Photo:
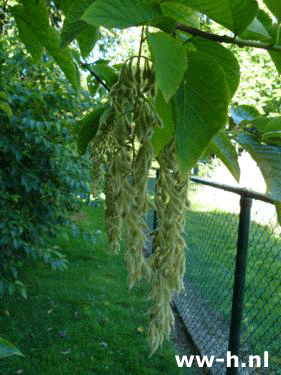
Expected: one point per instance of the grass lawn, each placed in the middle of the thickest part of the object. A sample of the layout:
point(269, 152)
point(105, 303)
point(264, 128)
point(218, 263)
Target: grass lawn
point(211, 237)
point(84, 320)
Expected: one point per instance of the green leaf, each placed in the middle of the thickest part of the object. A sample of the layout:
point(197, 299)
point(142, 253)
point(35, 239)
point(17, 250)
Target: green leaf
point(256, 31)
point(272, 29)
point(166, 24)
point(274, 124)
point(268, 159)
point(273, 138)
point(162, 136)
point(73, 27)
point(7, 349)
point(63, 5)
point(235, 15)
point(243, 112)
point(87, 40)
point(270, 129)
point(4, 107)
point(222, 146)
point(105, 72)
point(121, 14)
point(181, 13)
point(27, 36)
point(3, 96)
point(170, 62)
point(202, 107)
point(224, 57)
point(34, 14)
point(274, 7)
point(88, 128)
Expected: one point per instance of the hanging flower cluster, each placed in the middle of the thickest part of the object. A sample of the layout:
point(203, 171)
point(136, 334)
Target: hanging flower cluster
point(125, 150)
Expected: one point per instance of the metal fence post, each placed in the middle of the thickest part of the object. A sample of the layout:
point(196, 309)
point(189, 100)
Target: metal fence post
point(239, 281)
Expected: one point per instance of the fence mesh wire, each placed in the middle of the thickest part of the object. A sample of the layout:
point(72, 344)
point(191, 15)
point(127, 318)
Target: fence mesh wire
point(211, 237)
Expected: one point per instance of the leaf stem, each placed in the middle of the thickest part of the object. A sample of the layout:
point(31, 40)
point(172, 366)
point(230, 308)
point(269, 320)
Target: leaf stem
point(227, 39)
point(87, 66)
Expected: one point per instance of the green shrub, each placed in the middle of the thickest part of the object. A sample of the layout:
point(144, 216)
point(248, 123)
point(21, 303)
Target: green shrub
point(41, 172)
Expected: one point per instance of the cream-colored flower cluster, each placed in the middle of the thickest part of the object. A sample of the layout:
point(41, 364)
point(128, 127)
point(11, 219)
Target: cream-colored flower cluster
point(127, 152)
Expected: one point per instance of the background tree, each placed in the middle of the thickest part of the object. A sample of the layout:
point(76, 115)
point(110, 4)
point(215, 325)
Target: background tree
point(41, 173)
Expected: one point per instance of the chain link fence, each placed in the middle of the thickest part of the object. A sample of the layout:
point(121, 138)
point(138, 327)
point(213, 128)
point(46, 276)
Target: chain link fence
point(206, 303)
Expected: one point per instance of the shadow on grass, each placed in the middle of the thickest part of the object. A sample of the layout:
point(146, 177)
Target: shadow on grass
point(84, 320)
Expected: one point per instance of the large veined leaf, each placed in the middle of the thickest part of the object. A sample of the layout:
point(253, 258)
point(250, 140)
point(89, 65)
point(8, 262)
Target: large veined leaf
point(34, 14)
point(224, 57)
point(181, 13)
point(274, 7)
point(202, 107)
point(121, 14)
point(268, 158)
point(88, 128)
point(222, 146)
point(170, 62)
point(75, 28)
point(162, 136)
point(27, 36)
point(87, 40)
point(7, 349)
point(235, 15)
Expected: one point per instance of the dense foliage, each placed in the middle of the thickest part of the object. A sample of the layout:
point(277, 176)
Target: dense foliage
point(171, 103)
point(41, 172)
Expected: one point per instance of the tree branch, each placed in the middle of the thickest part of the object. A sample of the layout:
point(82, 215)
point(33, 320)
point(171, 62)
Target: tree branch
point(86, 66)
point(227, 39)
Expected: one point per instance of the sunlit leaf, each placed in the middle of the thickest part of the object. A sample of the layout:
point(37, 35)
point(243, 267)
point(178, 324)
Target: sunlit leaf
point(34, 14)
point(170, 62)
point(235, 15)
point(7, 349)
point(224, 57)
point(4, 107)
point(121, 13)
point(202, 104)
